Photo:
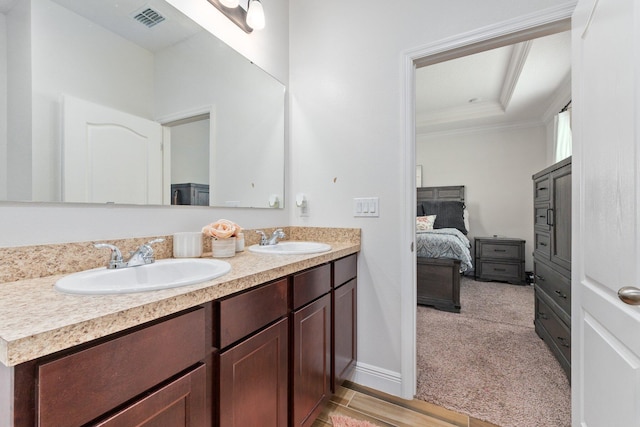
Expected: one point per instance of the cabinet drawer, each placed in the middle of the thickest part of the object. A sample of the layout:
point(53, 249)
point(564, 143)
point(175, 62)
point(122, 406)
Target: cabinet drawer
point(541, 219)
point(557, 287)
point(311, 284)
point(541, 189)
point(77, 388)
point(500, 250)
point(243, 314)
point(542, 244)
point(557, 331)
point(507, 271)
point(344, 270)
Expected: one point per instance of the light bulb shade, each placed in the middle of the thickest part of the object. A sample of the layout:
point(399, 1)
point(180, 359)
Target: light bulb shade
point(230, 3)
point(255, 15)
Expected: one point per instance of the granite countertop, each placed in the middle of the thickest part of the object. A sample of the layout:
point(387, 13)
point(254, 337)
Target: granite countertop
point(37, 320)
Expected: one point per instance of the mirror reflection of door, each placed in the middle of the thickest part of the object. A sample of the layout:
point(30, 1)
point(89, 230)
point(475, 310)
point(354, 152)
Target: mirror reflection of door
point(190, 158)
point(109, 156)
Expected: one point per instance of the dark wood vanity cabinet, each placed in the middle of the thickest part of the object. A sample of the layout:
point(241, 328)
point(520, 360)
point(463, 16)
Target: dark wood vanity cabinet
point(552, 259)
point(311, 344)
point(268, 356)
point(149, 376)
point(252, 331)
point(344, 324)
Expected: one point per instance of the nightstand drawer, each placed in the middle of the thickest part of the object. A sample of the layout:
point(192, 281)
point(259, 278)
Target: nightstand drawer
point(496, 270)
point(500, 250)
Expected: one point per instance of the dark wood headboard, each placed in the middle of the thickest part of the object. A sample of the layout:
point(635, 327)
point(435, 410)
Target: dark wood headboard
point(451, 193)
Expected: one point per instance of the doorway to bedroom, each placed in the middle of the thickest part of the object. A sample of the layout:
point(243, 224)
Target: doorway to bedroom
point(485, 120)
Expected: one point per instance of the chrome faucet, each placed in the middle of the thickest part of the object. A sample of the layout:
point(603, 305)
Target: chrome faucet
point(141, 256)
point(266, 241)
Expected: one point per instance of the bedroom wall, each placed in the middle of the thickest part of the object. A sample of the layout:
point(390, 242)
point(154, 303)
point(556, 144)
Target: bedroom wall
point(496, 168)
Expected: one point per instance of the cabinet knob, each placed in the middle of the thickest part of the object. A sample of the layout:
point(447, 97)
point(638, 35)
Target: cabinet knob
point(629, 295)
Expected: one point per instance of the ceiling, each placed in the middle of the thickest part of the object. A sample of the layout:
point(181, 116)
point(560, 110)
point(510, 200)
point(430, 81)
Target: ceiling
point(118, 17)
point(522, 84)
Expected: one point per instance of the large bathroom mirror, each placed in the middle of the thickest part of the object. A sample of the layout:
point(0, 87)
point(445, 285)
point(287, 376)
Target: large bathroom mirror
point(129, 101)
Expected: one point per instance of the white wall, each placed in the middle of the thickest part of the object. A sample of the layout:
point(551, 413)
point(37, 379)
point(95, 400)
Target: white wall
point(189, 153)
point(347, 86)
point(495, 166)
point(19, 102)
point(3, 106)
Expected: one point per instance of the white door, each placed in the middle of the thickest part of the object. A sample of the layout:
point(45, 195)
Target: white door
point(109, 156)
point(606, 189)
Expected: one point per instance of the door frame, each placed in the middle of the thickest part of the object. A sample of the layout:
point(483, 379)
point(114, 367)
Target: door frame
point(538, 24)
point(182, 117)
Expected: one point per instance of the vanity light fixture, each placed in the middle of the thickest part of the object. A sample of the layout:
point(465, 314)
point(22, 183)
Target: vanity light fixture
point(255, 15)
point(248, 20)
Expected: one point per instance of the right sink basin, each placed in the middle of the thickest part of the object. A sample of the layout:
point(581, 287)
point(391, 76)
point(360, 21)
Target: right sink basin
point(291, 248)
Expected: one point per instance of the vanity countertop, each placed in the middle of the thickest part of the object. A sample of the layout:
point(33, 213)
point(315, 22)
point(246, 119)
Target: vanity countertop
point(37, 320)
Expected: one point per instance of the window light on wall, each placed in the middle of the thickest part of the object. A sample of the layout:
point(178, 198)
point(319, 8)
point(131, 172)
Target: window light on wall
point(250, 19)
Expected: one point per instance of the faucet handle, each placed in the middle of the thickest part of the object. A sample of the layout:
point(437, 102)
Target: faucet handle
point(147, 250)
point(151, 242)
point(116, 256)
point(263, 237)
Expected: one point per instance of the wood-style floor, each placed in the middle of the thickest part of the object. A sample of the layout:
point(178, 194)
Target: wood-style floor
point(384, 410)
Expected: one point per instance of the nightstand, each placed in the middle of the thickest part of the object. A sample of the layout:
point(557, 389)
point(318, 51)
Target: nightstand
point(500, 259)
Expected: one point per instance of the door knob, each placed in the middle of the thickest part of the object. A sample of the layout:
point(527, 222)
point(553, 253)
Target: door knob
point(629, 295)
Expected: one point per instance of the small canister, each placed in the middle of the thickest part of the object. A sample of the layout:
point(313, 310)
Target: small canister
point(239, 242)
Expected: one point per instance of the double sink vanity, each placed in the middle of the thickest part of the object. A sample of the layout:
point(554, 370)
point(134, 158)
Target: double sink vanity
point(264, 343)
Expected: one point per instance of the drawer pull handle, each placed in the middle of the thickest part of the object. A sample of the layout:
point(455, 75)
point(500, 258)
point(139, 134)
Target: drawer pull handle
point(563, 342)
point(629, 295)
point(542, 188)
point(560, 294)
point(543, 244)
point(540, 277)
point(499, 269)
point(542, 315)
point(499, 250)
point(542, 216)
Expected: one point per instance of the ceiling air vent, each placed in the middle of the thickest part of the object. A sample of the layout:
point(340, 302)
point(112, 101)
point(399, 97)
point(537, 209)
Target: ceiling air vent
point(148, 17)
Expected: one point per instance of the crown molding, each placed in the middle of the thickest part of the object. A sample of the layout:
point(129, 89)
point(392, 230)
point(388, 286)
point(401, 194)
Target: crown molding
point(479, 129)
point(514, 70)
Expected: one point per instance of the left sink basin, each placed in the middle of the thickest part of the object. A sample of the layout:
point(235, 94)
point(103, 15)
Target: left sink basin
point(162, 274)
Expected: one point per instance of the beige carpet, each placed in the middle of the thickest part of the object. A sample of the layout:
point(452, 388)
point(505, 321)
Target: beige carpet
point(488, 362)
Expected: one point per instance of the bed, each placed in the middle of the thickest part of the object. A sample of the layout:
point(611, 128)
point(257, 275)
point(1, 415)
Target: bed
point(443, 253)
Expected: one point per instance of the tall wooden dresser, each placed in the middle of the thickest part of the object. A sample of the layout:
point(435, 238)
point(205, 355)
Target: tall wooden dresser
point(552, 259)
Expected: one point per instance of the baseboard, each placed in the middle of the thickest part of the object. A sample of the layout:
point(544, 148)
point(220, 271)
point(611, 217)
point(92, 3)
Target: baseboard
point(377, 378)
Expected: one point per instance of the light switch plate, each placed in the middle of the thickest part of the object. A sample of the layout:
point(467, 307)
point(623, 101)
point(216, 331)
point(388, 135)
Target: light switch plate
point(366, 207)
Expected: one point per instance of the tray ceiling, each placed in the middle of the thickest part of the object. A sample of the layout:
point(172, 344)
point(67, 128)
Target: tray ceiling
point(522, 84)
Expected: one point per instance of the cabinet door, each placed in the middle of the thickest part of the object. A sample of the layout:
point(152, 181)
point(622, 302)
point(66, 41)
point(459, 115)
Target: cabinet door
point(561, 229)
point(177, 404)
point(311, 366)
point(253, 380)
point(344, 332)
